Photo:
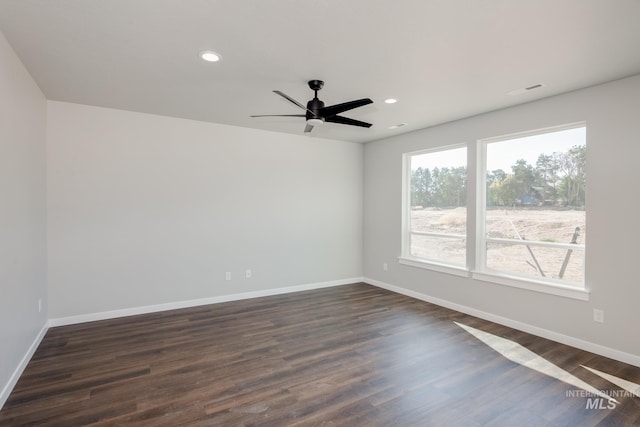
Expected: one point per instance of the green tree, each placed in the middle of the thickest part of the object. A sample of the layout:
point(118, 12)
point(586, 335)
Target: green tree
point(442, 187)
point(420, 186)
point(451, 185)
point(509, 190)
point(572, 167)
point(547, 168)
point(494, 186)
point(557, 177)
point(519, 183)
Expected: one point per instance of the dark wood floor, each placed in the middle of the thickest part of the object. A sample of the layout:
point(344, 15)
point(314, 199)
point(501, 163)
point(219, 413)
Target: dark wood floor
point(352, 355)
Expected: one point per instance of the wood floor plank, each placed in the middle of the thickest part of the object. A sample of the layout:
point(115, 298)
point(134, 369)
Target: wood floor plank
point(352, 355)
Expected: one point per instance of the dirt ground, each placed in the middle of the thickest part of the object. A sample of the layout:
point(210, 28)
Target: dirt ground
point(545, 225)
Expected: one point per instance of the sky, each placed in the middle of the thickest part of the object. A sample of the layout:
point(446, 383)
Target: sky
point(502, 154)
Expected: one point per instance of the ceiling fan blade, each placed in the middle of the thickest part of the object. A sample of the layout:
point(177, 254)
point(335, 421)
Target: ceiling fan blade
point(279, 115)
point(347, 121)
point(308, 128)
point(332, 110)
point(290, 99)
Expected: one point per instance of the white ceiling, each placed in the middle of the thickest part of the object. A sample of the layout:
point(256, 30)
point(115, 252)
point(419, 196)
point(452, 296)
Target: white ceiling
point(442, 59)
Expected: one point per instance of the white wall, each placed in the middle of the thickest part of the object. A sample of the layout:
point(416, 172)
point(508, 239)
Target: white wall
point(146, 210)
point(22, 215)
point(612, 113)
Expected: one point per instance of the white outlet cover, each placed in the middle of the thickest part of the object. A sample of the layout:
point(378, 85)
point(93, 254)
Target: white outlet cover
point(598, 315)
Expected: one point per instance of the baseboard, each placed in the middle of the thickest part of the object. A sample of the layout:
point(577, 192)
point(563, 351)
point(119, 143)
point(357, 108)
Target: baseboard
point(6, 391)
point(544, 333)
point(535, 330)
point(91, 317)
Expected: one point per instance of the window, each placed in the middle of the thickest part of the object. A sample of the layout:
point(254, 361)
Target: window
point(528, 216)
point(533, 210)
point(435, 212)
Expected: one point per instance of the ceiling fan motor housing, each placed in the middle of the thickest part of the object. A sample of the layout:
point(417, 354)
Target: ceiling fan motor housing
point(313, 109)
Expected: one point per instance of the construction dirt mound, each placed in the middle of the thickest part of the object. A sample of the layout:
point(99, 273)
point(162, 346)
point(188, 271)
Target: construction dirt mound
point(534, 225)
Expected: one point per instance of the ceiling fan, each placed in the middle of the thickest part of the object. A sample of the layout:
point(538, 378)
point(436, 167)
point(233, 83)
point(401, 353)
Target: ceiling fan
point(317, 113)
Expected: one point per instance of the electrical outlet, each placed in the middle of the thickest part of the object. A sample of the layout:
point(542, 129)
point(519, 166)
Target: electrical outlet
point(385, 267)
point(598, 315)
point(228, 275)
point(248, 274)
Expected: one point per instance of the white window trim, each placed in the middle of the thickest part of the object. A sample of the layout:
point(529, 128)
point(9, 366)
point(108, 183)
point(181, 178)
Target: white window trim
point(533, 132)
point(531, 284)
point(481, 197)
point(476, 254)
point(481, 272)
point(454, 269)
point(405, 244)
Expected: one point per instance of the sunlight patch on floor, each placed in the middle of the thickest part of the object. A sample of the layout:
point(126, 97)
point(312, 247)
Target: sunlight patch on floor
point(525, 357)
point(632, 388)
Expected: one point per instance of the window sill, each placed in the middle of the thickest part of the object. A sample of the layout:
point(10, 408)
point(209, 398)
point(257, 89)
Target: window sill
point(558, 289)
point(434, 266)
point(533, 285)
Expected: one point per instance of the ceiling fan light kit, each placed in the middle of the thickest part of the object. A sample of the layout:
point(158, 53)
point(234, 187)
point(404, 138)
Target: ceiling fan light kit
point(316, 113)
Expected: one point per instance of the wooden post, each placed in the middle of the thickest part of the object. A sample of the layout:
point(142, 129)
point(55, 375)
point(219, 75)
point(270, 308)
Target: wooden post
point(574, 240)
point(535, 260)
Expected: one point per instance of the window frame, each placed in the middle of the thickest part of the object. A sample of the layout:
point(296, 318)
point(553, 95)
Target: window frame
point(480, 270)
point(432, 264)
point(476, 239)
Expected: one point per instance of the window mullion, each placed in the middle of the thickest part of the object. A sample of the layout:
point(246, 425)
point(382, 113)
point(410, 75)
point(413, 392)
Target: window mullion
point(480, 244)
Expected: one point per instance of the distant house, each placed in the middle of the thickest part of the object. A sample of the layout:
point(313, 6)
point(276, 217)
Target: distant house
point(527, 200)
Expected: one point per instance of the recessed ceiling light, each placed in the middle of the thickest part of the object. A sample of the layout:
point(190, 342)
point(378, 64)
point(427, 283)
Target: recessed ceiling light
point(390, 101)
point(210, 56)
